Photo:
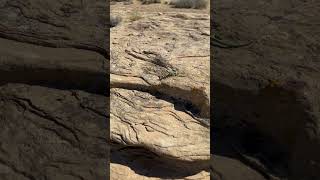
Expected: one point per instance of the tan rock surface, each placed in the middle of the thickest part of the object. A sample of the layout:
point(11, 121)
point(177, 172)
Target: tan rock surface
point(160, 77)
point(130, 162)
point(124, 172)
point(167, 53)
point(140, 119)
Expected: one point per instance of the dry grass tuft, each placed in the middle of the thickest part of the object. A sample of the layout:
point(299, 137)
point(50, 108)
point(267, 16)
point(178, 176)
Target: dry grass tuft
point(134, 16)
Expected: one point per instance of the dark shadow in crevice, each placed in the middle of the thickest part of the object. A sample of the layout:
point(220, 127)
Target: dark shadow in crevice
point(234, 131)
point(104, 52)
point(184, 106)
point(179, 103)
point(243, 139)
point(149, 164)
point(59, 79)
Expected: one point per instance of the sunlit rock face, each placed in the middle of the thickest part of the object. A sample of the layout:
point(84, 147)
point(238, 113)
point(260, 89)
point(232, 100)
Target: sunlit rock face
point(159, 99)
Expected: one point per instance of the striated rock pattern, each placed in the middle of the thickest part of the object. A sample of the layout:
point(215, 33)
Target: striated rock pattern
point(79, 24)
point(53, 90)
point(140, 119)
point(160, 103)
point(52, 134)
point(167, 53)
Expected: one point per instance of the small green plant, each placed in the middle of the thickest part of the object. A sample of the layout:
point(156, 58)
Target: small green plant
point(135, 16)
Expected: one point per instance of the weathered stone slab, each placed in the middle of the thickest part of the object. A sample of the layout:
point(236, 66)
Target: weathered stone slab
point(142, 120)
point(79, 24)
point(128, 162)
point(52, 134)
point(53, 72)
point(65, 68)
point(166, 53)
point(272, 82)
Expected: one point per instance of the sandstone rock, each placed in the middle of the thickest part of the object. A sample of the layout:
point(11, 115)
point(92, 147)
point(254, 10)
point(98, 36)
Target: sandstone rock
point(54, 67)
point(164, 54)
point(52, 134)
point(159, 95)
point(142, 120)
point(128, 162)
point(124, 172)
point(77, 24)
point(273, 82)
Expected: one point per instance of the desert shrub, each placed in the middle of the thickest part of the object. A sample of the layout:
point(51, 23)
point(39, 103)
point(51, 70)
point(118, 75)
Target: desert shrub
point(196, 4)
point(134, 16)
point(150, 1)
point(115, 20)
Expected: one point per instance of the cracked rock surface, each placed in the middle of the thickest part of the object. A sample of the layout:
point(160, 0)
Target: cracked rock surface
point(79, 24)
point(268, 87)
point(140, 119)
point(160, 103)
point(53, 90)
point(52, 134)
point(166, 53)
